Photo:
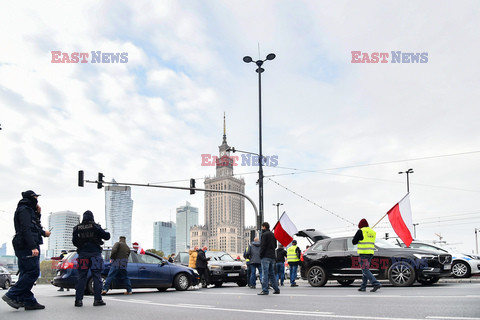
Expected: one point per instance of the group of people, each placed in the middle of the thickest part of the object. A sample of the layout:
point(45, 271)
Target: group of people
point(88, 237)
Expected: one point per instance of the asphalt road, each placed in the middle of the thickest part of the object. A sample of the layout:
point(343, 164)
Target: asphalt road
point(455, 301)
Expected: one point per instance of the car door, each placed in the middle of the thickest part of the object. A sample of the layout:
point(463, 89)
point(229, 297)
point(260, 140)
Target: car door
point(132, 270)
point(153, 272)
point(334, 257)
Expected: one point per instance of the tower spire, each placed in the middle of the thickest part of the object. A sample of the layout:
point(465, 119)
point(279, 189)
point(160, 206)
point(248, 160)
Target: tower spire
point(224, 129)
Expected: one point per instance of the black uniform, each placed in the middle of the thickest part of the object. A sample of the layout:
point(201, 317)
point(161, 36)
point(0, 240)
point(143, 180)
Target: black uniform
point(201, 266)
point(87, 237)
point(28, 237)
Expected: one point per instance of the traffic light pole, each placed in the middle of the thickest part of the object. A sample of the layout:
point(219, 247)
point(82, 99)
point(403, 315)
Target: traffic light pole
point(80, 179)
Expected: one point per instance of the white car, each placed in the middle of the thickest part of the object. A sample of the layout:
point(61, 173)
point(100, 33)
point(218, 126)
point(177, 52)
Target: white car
point(463, 265)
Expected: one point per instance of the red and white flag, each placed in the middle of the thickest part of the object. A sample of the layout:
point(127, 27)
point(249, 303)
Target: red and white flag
point(400, 217)
point(284, 230)
point(138, 248)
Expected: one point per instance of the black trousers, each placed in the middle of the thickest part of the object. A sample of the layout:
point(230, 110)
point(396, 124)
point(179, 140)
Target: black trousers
point(204, 276)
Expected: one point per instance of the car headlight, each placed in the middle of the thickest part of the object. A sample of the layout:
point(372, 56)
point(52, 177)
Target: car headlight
point(214, 267)
point(244, 267)
point(195, 272)
point(424, 256)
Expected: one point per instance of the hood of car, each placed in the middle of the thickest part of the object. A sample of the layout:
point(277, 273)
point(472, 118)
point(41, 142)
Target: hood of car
point(312, 234)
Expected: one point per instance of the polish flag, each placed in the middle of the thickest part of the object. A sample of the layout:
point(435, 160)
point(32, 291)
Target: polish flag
point(138, 248)
point(284, 230)
point(400, 217)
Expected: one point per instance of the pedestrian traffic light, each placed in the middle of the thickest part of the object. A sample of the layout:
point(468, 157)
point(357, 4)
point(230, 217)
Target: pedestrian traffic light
point(80, 178)
point(100, 180)
point(192, 186)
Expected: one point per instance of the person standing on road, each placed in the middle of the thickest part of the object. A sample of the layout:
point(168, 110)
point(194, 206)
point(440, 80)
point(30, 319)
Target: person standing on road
point(268, 244)
point(365, 238)
point(118, 269)
point(26, 243)
point(60, 258)
point(87, 237)
point(192, 257)
point(171, 258)
point(293, 258)
point(280, 255)
point(253, 252)
point(202, 268)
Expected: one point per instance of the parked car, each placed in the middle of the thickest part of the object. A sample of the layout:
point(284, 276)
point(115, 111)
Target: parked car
point(463, 265)
point(222, 267)
point(337, 259)
point(5, 278)
point(144, 270)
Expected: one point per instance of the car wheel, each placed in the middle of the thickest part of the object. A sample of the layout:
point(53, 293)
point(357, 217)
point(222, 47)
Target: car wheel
point(181, 282)
point(461, 269)
point(316, 276)
point(89, 289)
point(401, 274)
point(162, 289)
point(6, 285)
point(345, 282)
point(242, 284)
point(429, 281)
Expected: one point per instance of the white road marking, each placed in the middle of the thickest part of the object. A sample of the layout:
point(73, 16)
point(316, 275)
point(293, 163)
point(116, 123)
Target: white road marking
point(451, 318)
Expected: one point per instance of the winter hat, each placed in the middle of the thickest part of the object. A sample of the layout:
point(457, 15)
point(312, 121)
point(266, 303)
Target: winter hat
point(363, 223)
point(88, 216)
point(29, 194)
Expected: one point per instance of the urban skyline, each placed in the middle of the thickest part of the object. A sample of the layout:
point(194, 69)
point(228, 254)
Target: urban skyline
point(118, 213)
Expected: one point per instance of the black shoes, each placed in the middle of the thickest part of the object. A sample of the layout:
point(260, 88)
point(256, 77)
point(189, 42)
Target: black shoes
point(362, 290)
point(276, 292)
point(294, 285)
point(262, 293)
point(97, 303)
point(12, 303)
point(36, 306)
point(375, 288)
point(78, 303)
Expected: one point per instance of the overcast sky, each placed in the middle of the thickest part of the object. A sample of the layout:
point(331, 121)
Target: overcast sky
point(342, 131)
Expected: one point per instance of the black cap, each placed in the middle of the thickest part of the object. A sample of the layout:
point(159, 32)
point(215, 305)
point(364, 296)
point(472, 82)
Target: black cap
point(29, 194)
point(294, 241)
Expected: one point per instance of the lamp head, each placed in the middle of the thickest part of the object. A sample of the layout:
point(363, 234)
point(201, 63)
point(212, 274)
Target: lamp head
point(271, 56)
point(247, 59)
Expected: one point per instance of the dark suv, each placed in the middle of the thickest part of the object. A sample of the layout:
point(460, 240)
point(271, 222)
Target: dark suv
point(222, 268)
point(337, 259)
point(144, 270)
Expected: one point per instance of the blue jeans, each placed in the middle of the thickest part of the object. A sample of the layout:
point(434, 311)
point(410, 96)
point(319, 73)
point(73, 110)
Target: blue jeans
point(29, 268)
point(293, 272)
point(120, 273)
point(280, 272)
point(89, 261)
point(364, 261)
point(268, 268)
point(253, 273)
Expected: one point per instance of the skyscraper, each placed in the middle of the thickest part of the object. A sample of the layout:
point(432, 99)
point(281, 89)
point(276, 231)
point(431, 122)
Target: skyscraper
point(164, 237)
point(224, 212)
point(118, 212)
point(187, 217)
point(61, 223)
point(3, 249)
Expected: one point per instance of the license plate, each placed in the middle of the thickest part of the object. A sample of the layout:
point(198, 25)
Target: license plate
point(447, 267)
point(232, 274)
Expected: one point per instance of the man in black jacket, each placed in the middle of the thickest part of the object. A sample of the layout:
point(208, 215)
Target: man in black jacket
point(26, 243)
point(268, 243)
point(87, 237)
point(202, 268)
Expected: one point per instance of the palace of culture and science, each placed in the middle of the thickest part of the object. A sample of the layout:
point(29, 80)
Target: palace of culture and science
point(224, 227)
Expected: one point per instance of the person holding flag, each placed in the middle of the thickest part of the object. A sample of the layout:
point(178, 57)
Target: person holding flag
point(365, 240)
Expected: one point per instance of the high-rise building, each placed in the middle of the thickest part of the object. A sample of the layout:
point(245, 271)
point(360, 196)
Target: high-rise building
point(187, 217)
point(224, 212)
point(3, 249)
point(164, 237)
point(61, 223)
point(118, 212)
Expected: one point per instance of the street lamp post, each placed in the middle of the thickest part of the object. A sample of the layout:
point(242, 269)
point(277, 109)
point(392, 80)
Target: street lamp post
point(476, 239)
point(278, 204)
point(259, 70)
point(408, 182)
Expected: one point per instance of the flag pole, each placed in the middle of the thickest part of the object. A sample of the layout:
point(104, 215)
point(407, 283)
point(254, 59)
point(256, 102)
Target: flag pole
point(278, 220)
point(389, 211)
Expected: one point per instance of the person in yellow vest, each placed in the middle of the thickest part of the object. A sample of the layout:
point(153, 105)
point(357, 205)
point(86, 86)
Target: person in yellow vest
point(192, 259)
point(293, 258)
point(365, 241)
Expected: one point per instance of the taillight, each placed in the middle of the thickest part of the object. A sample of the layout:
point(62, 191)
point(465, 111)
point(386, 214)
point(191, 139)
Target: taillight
point(67, 265)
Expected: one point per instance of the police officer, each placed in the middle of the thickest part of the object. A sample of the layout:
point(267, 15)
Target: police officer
point(27, 241)
point(87, 237)
point(293, 258)
point(365, 238)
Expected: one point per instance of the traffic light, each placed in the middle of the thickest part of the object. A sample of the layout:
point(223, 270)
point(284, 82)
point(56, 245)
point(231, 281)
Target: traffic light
point(192, 186)
point(100, 180)
point(80, 178)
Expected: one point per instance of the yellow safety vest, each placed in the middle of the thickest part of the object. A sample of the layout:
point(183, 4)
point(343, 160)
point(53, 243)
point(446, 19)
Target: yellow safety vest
point(367, 245)
point(292, 254)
